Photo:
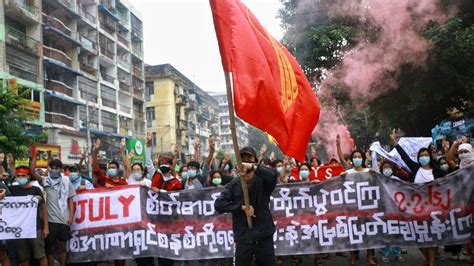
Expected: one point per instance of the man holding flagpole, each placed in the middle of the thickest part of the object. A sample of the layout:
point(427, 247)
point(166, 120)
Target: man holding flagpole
point(258, 240)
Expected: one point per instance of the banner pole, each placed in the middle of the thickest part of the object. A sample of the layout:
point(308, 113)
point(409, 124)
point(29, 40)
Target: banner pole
point(245, 187)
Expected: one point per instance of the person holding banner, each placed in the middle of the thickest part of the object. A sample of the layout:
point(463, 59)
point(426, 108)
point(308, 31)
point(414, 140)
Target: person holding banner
point(25, 247)
point(422, 171)
point(58, 192)
point(3, 244)
point(258, 240)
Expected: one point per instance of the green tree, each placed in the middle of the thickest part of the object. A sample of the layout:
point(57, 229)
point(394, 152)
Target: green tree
point(13, 116)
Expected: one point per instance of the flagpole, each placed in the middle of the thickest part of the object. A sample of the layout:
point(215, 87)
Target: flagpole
point(245, 187)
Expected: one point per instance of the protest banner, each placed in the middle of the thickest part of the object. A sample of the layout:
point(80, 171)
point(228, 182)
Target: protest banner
point(18, 217)
point(351, 212)
point(327, 171)
point(40, 151)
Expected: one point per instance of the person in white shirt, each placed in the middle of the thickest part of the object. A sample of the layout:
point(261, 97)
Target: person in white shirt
point(137, 177)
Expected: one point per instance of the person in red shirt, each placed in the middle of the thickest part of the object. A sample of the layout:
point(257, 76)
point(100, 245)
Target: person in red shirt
point(111, 178)
point(164, 179)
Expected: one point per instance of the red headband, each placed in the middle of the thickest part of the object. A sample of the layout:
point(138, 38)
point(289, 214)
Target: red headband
point(25, 171)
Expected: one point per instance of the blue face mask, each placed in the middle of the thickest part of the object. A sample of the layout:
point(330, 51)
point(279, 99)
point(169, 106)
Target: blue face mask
point(137, 176)
point(54, 174)
point(357, 162)
point(226, 168)
point(22, 181)
point(424, 160)
point(304, 174)
point(73, 176)
point(192, 173)
point(184, 175)
point(279, 169)
point(112, 172)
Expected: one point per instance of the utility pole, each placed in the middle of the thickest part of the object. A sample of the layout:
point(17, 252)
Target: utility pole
point(89, 144)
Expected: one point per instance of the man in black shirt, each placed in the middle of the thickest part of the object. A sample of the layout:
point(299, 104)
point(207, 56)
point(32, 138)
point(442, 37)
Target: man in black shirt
point(25, 246)
point(257, 241)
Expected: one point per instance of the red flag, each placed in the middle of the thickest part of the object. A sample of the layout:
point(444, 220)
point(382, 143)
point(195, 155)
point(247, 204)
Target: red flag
point(271, 91)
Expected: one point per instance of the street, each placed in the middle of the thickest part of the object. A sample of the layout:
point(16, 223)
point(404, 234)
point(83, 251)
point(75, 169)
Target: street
point(413, 257)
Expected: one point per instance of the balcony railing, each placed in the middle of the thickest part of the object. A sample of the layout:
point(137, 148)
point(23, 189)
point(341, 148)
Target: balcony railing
point(123, 63)
point(57, 55)
point(89, 68)
point(59, 119)
point(69, 4)
point(24, 5)
point(123, 19)
point(107, 77)
point(124, 87)
point(87, 16)
point(88, 44)
point(58, 86)
point(106, 52)
point(138, 114)
point(123, 39)
point(137, 71)
point(137, 93)
point(56, 23)
point(107, 23)
point(137, 51)
point(21, 40)
point(22, 73)
point(125, 109)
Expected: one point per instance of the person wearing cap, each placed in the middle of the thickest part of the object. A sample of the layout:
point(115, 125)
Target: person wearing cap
point(257, 241)
point(465, 154)
point(31, 248)
point(59, 192)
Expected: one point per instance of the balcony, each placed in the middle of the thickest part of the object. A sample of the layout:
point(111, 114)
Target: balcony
point(137, 93)
point(58, 86)
point(122, 39)
point(108, 23)
point(126, 109)
point(137, 71)
point(20, 40)
point(124, 87)
point(107, 78)
point(69, 6)
point(57, 55)
point(23, 10)
point(137, 52)
point(107, 53)
point(88, 44)
point(57, 24)
point(123, 18)
point(86, 16)
point(55, 118)
point(124, 64)
point(89, 68)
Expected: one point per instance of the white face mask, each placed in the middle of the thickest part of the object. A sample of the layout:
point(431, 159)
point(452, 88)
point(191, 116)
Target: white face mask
point(388, 172)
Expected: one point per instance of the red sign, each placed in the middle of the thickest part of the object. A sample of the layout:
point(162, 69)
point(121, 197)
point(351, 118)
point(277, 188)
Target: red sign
point(327, 171)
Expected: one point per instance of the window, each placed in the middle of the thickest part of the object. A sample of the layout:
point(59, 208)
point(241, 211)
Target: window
point(150, 88)
point(150, 114)
point(153, 139)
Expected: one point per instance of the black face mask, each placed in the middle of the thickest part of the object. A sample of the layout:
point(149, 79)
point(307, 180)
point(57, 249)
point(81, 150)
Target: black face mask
point(165, 169)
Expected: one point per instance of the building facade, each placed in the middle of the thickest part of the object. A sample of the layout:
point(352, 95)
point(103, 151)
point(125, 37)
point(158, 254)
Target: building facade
point(178, 112)
point(225, 136)
point(83, 60)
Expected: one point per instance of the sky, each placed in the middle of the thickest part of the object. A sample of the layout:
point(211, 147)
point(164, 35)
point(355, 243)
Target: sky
point(181, 33)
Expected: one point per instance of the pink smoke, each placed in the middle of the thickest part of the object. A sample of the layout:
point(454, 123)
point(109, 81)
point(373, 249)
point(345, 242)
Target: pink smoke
point(327, 130)
point(365, 67)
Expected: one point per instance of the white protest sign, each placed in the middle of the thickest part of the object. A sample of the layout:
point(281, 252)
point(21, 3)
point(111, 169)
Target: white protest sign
point(106, 207)
point(18, 217)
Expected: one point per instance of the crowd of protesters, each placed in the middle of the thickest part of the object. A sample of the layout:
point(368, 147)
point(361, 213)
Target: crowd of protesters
point(57, 185)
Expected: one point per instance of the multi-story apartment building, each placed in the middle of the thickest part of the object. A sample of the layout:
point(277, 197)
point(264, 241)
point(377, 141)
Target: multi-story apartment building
point(177, 111)
point(91, 54)
point(225, 136)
